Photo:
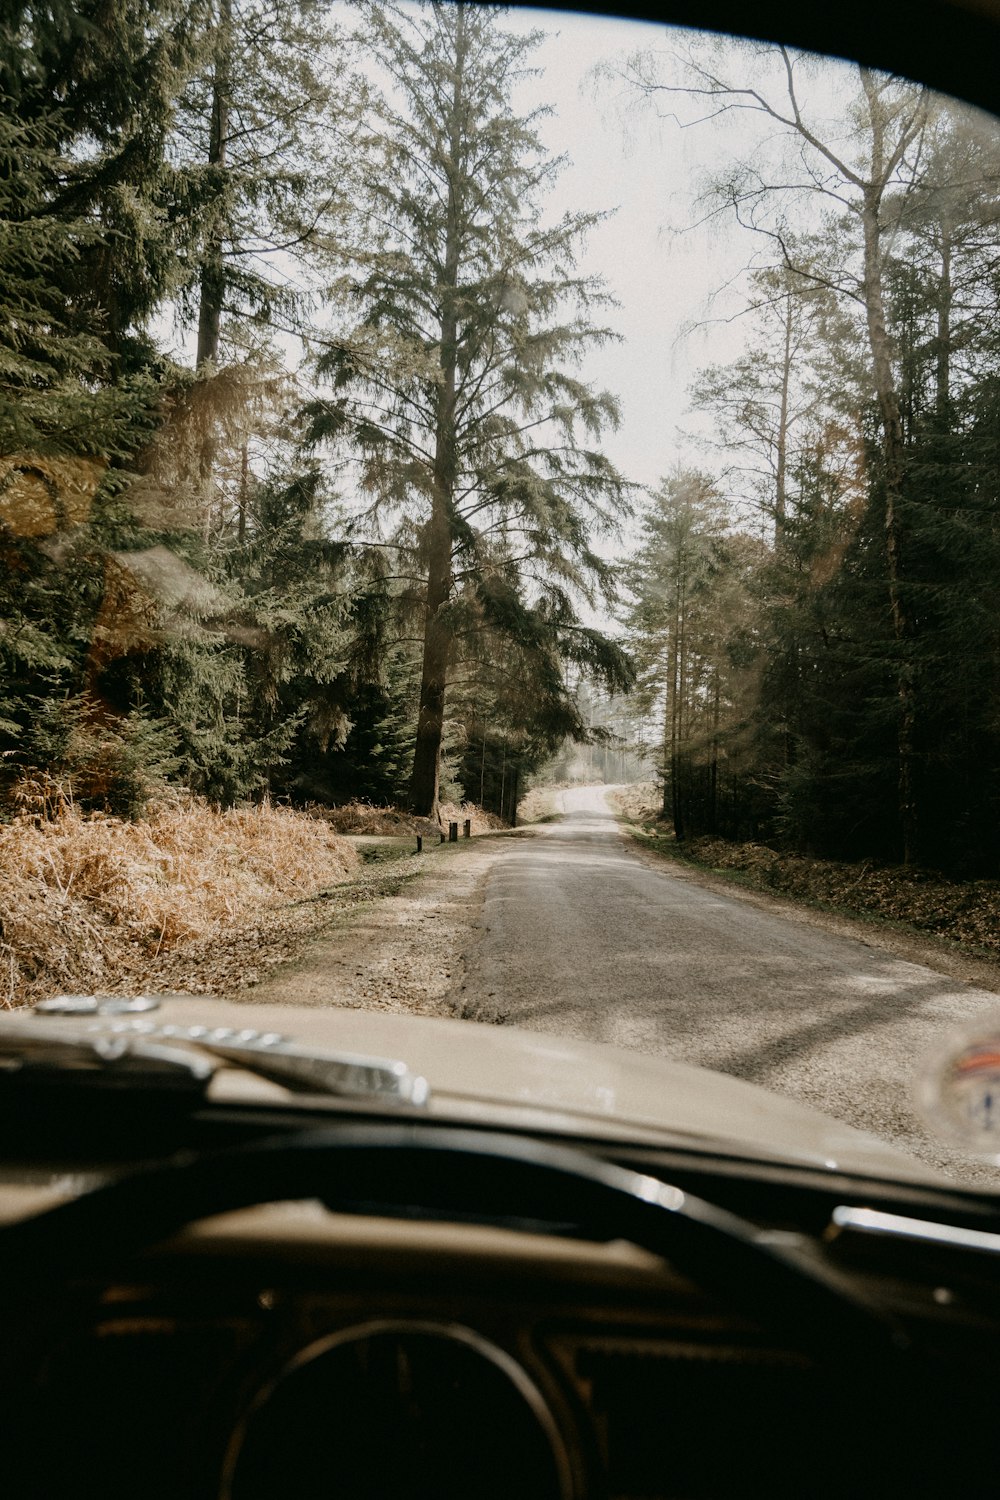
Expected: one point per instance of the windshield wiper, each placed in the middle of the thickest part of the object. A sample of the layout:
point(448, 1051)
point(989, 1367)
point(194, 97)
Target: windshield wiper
point(138, 1054)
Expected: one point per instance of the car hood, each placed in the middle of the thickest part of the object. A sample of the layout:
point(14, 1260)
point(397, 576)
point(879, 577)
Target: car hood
point(517, 1079)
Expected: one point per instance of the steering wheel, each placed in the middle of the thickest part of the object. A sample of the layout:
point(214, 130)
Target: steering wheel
point(409, 1170)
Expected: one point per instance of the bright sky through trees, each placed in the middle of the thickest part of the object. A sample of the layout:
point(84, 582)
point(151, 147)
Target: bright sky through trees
point(680, 284)
point(622, 160)
point(667, 274)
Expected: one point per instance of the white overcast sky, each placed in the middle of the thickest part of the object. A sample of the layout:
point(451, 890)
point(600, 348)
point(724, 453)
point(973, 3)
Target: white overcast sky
point(663, 280)
point(664, 273)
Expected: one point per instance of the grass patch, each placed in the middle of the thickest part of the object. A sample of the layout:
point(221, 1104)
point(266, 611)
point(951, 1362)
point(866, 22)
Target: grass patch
point(385, 854)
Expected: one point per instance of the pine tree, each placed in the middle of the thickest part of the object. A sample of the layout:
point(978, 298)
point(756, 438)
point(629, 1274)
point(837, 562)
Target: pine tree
point(89, 248)
point(690, 624)
point(455, 384)
point(87, 251)
point(260, 133)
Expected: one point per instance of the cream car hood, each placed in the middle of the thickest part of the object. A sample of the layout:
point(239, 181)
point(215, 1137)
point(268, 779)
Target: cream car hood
point(524, 1079)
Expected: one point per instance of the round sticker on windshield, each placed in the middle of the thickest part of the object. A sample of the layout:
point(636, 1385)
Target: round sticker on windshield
point(958, 1088)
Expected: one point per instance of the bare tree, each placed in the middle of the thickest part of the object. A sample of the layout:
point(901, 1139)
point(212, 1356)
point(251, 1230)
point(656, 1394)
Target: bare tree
point(860, 169)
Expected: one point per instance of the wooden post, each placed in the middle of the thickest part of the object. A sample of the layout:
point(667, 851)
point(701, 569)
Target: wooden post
point(453, 833)
point(420, 843)
point(467, 828)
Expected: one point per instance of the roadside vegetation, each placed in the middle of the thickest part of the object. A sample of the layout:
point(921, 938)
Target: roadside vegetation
point(814, 611)
point(188, 897)
point(92, 903)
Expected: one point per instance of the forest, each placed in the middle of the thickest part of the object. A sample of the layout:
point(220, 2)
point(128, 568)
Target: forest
point(340, 551)
point(304, 493)
point(816, 620)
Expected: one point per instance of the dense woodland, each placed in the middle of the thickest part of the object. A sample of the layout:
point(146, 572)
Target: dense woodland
point(341, 549)
point(817, 613)
point(302, 490)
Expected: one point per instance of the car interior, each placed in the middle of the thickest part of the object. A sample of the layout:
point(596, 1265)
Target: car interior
point(355, 1297)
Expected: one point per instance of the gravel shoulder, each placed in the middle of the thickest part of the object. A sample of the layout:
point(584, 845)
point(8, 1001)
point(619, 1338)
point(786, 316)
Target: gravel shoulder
point(399, 944)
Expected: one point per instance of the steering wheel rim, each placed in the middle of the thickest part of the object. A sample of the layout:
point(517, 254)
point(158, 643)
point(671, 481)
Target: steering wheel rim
point(460, 1173)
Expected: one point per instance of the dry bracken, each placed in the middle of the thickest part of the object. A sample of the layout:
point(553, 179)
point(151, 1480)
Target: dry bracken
point(86, 901)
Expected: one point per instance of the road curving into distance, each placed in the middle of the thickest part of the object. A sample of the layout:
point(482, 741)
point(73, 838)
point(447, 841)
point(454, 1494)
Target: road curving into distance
point(583, 935)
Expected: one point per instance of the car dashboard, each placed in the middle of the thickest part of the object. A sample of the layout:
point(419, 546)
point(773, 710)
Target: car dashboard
point(292, 1348)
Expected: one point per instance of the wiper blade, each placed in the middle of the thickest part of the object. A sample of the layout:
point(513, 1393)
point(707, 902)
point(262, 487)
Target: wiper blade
point(305, 1071)
point(118, 1052)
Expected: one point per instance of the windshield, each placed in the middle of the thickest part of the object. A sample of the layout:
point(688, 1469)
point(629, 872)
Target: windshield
point(499, 516)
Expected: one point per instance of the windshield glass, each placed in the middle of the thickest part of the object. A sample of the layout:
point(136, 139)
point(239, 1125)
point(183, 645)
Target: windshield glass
point(499, 516)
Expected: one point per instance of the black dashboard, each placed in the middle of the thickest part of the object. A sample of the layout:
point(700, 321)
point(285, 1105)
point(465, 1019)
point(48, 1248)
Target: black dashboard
point(372, 1348)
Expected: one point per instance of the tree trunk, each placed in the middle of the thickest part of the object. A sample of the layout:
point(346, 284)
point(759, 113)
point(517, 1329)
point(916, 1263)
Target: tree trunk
point(781, 456)
point(894, 463)
point(212, 274)
point(943, 361)
point(241, 518)
point(426, 779)
point(668, 709)
point(676, 725)
point(713, 778)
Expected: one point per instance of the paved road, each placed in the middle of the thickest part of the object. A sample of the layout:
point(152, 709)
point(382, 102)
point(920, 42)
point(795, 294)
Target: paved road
point(583, 935)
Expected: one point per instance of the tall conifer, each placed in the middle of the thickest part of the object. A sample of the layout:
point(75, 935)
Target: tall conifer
point(456, 384)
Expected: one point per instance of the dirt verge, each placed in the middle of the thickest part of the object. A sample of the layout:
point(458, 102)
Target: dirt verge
point(399, 946)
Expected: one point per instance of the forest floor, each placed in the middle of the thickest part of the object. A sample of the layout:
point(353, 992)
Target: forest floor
point(950, 925)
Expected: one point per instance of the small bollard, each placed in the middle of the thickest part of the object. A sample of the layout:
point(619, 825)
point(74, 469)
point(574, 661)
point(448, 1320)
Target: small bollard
point(453, 833)
point(467, 828)
point(442, 837)
point(420, 843)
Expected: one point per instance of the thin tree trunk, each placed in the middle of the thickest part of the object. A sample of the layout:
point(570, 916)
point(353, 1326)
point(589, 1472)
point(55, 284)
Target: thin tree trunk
point(894, 463)
point(425, 782)
point(665, 753)
point(241, 518)
point(714, 762)
point(945, 294)
point(482, 770)
point(677, 793)
point(503, 776)
point(212, 284)
point(212, 274)
point(781, 456)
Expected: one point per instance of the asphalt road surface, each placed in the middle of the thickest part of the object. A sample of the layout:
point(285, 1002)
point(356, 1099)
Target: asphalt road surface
point(583, 934)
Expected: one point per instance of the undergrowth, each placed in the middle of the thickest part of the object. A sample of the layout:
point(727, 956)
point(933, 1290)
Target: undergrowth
point(87, 900)
point(364, 818)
